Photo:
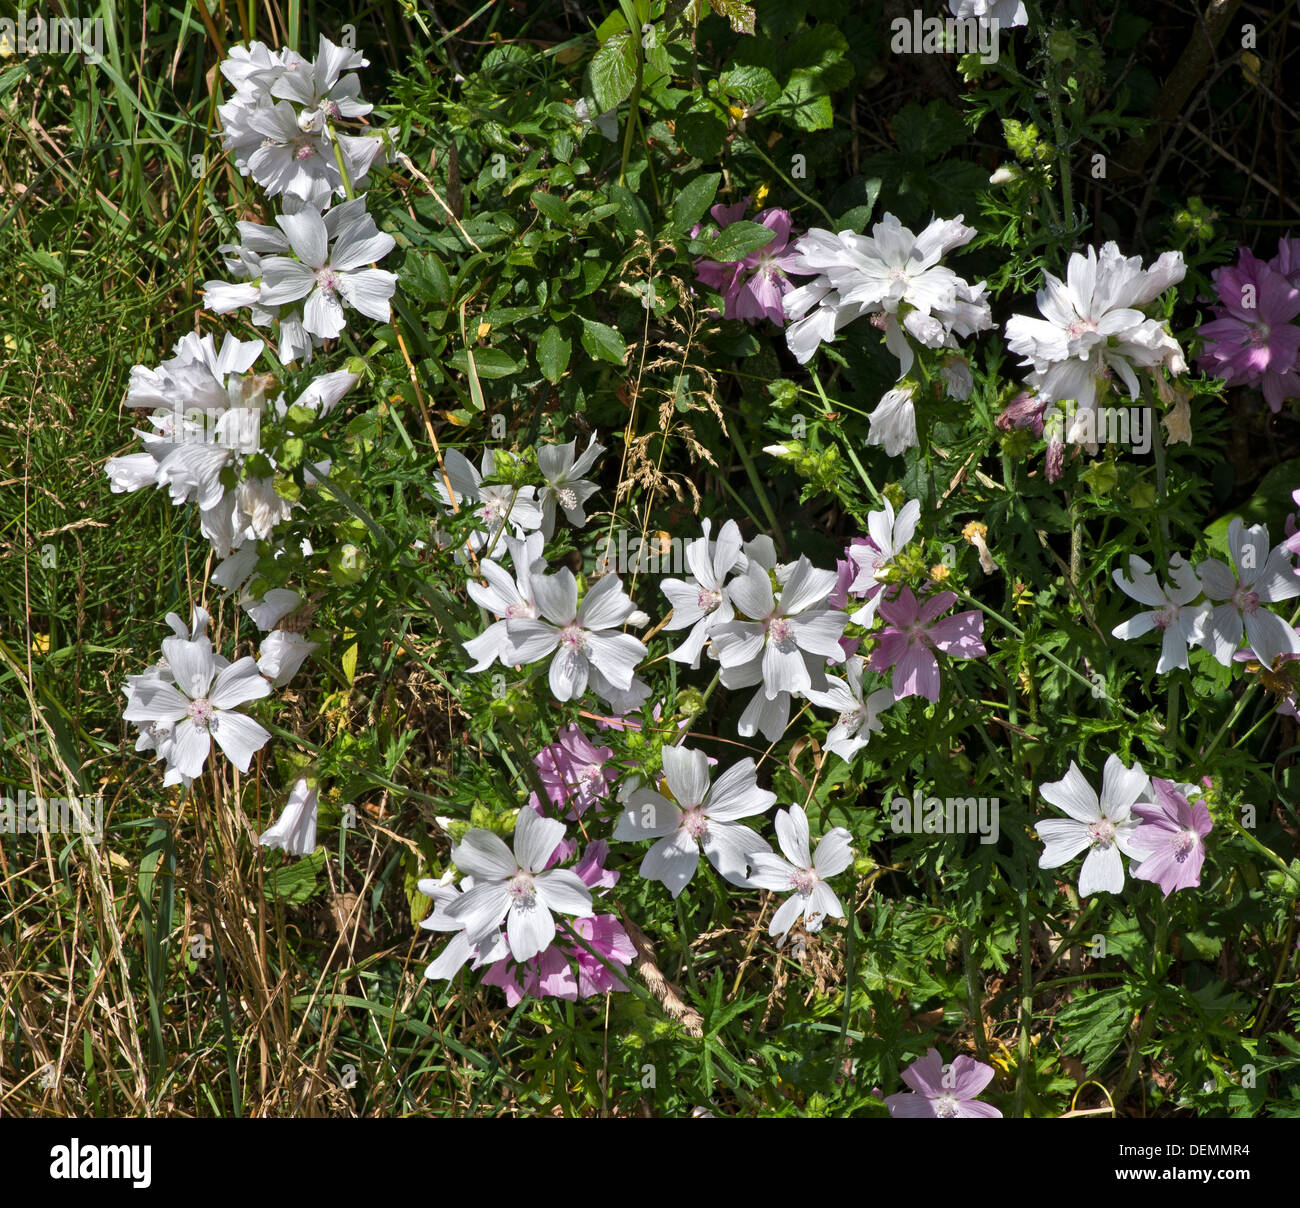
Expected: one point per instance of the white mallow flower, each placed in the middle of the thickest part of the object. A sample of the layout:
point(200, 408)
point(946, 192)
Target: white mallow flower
point(517, 887)
point(1006, 13)
point(1180, 622)
point(890, 535)
point(1102, 828)
point(784, 629)
point(294, 832)
point(493, 506)
point(893, 273)
point(282, 654)
point(321, 84)
point(565, 483)
point(1092, 327)
point(507, 597)
point(1262, 578)
point(272, 608)
point(893, 422)
point(802, 876)
point(485, 951)
point(329, 276)
point(582, 637)
point(200, 704)
point(697, 815)
point(859, 718)
point(196, 375)
point(700, 603)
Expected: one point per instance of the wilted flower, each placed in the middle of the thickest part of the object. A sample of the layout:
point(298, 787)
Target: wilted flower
point(294, 831)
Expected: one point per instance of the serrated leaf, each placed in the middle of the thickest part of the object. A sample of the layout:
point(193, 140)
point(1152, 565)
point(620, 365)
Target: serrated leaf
point(295, 883)
point(552, 207)
point(738, 15)
point(613, 71)
point(553, 352)
point(603, 342)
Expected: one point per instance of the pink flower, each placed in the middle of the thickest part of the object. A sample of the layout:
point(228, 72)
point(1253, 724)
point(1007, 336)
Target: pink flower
point(943, 1091)
point(572, 769)
point(911, 636)
point(754, 287)
point(1172, 834)
point(1252, 341)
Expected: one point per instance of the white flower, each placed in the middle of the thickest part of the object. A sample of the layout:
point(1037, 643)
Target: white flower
point(272, 608)
point(1180, 622)
point(507, 597)
point(890, 535)
point(199, 709)
point(1103, 829)
point(804, 878)
point(582, 636)
point(893, 422)
point(1092, 327)
point(701, 602)
point(782, 630)
point(1262, 578)
point(493, 506)
point(514, 887)
point(697, 815)
point(330, 275)
point(294, 831)
point(893, 273)
point(858, 718)
point(281, 656)
point(1006, 13)
point(485, 951)
point(565, 484)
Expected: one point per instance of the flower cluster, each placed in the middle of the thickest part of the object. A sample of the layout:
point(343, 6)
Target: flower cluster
point(1166, 839)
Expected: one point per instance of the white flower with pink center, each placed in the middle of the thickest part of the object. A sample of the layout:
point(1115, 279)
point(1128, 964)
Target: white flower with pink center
point(804, 877)
point(1263, 576)
point(692, 814)
point(890, 534)
point(199, 702)
point(564, 482)
point(859, 714)
point(507, 597)
point(700, 603)
point(583, 638)
point(517, 886)
point(1173, 615)
point(330, 274)
point(1103, 828)
point(494, 507)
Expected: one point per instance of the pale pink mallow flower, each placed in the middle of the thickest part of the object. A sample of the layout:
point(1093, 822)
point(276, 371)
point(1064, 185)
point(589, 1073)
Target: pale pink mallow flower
point(517, 886)
point(701, 603)
point(942, 1091)
point(859, 713)
point(697, 815)
point(1179, 622)
point(1102, 828)
point(913, 633)
point(584, 637)
point(1172, 836)
point(198, 704)
point(802, 876)
point(1263, 577)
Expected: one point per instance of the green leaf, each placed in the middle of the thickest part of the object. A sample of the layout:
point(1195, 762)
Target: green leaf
point(749, 85)
point(927, 133)
point(488, 362)
point(424, 276)
point(603, 342)
point(613, 71)
point(553, 352)
point(552, 207)
point(701, 135)
point(689, 205)
point(295, 883)
point(738, 240)
point(738, 15)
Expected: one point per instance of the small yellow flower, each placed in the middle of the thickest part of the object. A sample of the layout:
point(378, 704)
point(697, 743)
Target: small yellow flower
point(939, 573)
point(483, 329)
point(761, 196)
point(41, 644)
point(736, 111)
